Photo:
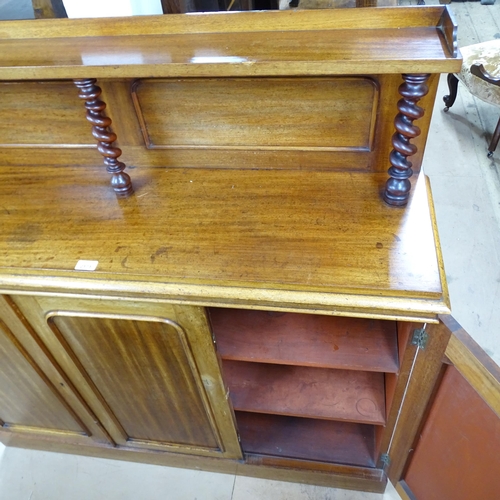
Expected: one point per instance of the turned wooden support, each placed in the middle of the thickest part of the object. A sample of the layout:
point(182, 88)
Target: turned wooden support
point(397, 188)
point(90, 92)
point(449, 99)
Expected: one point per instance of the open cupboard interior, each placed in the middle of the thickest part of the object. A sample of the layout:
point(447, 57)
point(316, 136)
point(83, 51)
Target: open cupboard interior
point(309, 387)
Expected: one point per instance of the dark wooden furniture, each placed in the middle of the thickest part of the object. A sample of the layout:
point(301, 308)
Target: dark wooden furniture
point(254, 306)
point(184, 6)
point(479, 71)
point(450, 98)
point(348, 3)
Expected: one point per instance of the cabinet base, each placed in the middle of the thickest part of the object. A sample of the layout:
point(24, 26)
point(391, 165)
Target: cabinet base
point(297, 471)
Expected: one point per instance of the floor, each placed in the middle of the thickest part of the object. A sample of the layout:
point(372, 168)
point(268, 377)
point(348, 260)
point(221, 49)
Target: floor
point(466, 187)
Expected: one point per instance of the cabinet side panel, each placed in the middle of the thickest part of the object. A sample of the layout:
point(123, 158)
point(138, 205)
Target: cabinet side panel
point(457, 455)
point(141, 371)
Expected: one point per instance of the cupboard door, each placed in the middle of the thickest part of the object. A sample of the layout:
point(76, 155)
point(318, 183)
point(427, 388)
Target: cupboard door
point(456, 453)
point(30, 403)
point(145, 369)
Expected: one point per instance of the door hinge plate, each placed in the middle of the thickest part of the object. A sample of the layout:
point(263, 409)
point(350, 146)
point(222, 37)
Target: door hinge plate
point(384, 461)
point(420, 338)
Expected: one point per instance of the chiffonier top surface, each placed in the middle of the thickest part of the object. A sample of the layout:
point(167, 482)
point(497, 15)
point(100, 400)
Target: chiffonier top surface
point(326, 42)
point(295, 240)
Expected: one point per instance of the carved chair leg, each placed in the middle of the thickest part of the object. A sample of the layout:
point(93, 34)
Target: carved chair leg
point(397, 188)
point(90, 92)
point(449, 100)
point(494, 140)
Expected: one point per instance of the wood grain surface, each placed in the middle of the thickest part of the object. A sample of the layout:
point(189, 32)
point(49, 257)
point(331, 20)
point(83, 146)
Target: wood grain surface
point(418, 377)
point(42, 114)
point(240, 123)
point(142, 371)
point(148, 371)
point(288, 231)
point(249, 192)
point(305, 339)
point(290, 20)
point(308, 43)
point(28, 401)
point(345, 395)
point(249, 54)
point(310, 113)
point(26, 340)
point(340, 442)
point(480, 371)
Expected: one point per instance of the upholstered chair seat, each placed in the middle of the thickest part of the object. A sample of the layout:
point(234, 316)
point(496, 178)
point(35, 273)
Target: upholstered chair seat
point(480, 73)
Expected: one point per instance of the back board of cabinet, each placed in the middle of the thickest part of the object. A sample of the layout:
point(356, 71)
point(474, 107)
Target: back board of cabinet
point(250, 223)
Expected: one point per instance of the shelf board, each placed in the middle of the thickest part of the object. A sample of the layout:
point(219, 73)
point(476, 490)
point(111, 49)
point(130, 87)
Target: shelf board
point(347, 395)
point(340, 42)
point(303, 438)
point(306, 340)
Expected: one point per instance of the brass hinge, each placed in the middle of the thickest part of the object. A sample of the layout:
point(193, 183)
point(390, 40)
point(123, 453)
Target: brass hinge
point(384, 461)
point(420, 338)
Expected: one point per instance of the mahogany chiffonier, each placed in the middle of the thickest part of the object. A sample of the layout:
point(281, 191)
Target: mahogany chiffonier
point(258, 291)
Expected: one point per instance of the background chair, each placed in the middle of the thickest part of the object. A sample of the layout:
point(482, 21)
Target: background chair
point(480, 73)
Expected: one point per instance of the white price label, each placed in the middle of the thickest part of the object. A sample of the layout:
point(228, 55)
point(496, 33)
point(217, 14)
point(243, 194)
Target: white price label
point(86, 265)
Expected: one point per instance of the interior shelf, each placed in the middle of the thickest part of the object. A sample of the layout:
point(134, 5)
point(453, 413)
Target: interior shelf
point(347, 395)
point(305, 339)
point(308, 439)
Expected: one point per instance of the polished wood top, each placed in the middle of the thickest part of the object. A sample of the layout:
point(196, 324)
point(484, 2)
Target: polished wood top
point(326, 42)
point(281, 239)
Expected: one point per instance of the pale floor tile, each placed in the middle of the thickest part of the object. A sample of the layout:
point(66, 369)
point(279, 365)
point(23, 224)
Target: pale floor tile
point(470, 244)
point(246, 488)
point(450, 148)
point(466, 191)
point(38, 475)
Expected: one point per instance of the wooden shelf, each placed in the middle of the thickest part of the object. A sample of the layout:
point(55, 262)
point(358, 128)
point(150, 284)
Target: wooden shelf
point(303, 438)
point(306, 340)
point(339, 42)
point(228, 210)
point(347, 395)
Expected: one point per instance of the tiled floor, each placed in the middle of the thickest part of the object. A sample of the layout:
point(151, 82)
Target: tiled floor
point(466, 187)
point(32, 475)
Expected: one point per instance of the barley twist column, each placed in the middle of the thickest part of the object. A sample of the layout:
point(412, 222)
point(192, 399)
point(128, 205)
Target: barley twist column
point(90, 92)
point(397, 188)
